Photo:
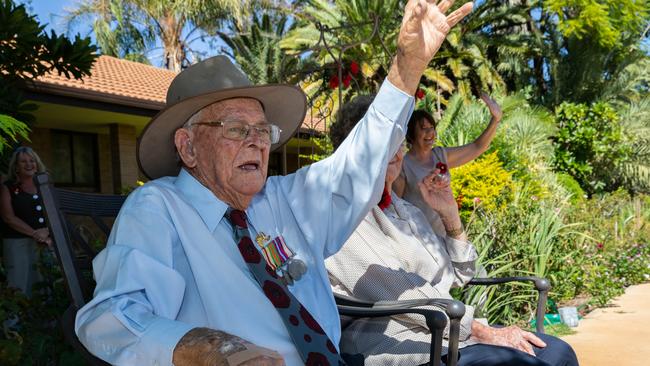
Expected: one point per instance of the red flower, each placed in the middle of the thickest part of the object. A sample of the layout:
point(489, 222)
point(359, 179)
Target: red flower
point(385, 199)
point(600, 246)
point(248, 250)
point(347, 78)
point(276, 294)
point(354, 67)
point(442, 166)
point(419, 94)
point(310, 321)
point(334, 82)
point(316, 359)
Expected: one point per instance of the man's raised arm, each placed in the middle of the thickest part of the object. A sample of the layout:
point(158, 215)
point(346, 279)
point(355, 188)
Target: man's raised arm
point(424, 27)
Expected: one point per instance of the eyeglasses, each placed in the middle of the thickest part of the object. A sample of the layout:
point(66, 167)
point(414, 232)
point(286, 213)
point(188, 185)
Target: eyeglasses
point(238, 131)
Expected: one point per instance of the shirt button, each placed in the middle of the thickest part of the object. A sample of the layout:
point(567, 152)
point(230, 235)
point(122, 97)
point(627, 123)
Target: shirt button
point(41, 220)
point(38, 208)
point(35, 196)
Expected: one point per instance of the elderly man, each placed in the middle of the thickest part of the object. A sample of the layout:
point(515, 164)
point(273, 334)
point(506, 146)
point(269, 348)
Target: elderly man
point(218, 266)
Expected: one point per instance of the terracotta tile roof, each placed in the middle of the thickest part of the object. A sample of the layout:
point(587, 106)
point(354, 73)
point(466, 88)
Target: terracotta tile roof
point(124, 82)
point(115, 80)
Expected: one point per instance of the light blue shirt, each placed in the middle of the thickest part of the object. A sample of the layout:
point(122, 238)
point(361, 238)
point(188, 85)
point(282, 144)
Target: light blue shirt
point(171, 263)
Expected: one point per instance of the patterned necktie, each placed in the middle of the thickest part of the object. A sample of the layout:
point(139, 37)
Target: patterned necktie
point(312, 343)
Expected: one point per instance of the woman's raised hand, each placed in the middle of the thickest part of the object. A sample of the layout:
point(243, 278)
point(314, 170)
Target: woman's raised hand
point(493, 106)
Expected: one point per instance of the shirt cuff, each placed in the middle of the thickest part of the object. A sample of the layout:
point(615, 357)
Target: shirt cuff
point(460, 250)
point(393, 103)
point(160, 339)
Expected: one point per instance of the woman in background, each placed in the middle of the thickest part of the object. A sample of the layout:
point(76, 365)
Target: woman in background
point(423, 157)
point(21, 208)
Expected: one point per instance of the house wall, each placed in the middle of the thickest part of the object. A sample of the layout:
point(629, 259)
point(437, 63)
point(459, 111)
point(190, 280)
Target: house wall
point(42, 144)
point(105, 164)
point(123, 153)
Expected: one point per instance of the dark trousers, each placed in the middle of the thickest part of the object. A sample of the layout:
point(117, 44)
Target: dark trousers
point(556, 353)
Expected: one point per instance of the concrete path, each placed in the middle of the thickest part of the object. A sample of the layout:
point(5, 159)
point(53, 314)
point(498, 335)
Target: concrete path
point(617, 335)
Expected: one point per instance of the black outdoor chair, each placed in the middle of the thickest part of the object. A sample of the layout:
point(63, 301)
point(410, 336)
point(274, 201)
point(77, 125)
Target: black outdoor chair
point(454, 310)
point(65, 210)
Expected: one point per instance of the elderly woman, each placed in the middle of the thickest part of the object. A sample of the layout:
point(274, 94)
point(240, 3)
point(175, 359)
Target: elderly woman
point(423, 157)
point(395, 255)
point(21, 209)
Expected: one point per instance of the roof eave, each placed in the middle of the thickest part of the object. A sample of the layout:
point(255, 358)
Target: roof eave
point(48, 88)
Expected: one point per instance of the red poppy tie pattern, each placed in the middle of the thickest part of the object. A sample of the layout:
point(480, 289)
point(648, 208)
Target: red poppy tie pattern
point(314, 346)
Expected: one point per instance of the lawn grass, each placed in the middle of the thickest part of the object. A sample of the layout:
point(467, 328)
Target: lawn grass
point(557, 330)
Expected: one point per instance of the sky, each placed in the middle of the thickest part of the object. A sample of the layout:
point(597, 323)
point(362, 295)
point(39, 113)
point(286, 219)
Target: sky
point(51, 12)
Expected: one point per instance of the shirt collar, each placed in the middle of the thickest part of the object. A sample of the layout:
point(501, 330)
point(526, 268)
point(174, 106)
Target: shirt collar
point(210, 208)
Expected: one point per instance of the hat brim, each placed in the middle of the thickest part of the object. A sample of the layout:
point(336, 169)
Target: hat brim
point(284, 105)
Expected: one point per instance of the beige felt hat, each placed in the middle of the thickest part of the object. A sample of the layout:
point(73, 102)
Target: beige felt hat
point(200, 85)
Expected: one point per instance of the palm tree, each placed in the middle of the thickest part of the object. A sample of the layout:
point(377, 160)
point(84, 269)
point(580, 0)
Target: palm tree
point(136, 27)
point(257, 53)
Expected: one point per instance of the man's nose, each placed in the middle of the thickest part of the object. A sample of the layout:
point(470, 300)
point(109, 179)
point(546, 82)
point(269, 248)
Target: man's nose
point(255, 137)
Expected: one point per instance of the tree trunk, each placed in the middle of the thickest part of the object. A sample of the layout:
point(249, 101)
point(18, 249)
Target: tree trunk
point(173, 48)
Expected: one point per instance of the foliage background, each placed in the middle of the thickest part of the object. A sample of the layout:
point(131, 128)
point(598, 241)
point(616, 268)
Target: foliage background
point(562, 192)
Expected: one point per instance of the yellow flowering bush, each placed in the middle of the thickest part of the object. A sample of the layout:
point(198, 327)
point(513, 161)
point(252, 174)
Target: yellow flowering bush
point(482, 182)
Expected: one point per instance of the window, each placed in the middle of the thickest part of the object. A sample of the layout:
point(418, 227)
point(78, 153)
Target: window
point(75, 159)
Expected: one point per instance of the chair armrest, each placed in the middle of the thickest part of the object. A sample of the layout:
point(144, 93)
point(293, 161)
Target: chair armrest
point(453, 308)
point(351, 306)
point(542, 285)
point(435, 320)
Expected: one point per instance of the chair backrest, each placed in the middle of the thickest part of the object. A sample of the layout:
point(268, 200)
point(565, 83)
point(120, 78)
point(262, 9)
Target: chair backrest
point(79, 226)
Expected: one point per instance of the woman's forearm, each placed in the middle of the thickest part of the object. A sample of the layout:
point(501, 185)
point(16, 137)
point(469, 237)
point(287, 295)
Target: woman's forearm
point(19, 225)
point(483, 141)
point(454, 226)
point(460, 155)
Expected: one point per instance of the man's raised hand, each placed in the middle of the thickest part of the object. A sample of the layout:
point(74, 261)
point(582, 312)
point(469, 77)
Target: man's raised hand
point(424, 27)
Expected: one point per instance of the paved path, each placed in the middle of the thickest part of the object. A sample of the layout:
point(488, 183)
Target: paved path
point(618, 335)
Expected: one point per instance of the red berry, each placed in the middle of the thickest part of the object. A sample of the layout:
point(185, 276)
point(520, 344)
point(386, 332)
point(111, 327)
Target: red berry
point(346, 80)
point(354, 67)
point(419, 94)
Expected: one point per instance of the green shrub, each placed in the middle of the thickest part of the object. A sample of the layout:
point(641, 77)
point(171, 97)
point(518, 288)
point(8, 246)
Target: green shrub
point(33, 335)
point(589, 145)
point(572, 186)
point(484, 182)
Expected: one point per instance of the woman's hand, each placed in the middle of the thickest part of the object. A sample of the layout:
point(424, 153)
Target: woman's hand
point(493, 107)
point(41, 235)
point(512, 336)
point(437, 193)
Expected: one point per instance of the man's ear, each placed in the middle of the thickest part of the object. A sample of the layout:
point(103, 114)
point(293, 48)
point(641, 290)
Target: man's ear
point(183, 142)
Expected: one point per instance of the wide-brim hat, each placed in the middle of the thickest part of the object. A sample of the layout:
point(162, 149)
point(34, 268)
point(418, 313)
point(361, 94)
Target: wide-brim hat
point(200, 85)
